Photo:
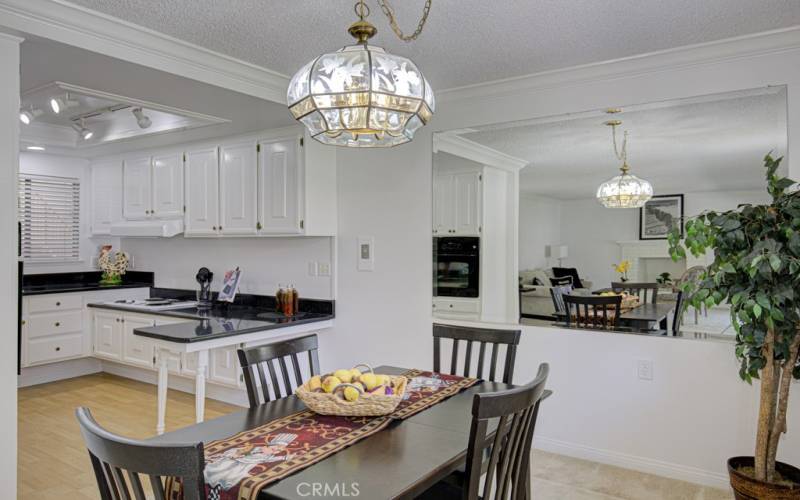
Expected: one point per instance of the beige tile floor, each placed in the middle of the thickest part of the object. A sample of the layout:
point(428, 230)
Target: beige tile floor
point(53, 463)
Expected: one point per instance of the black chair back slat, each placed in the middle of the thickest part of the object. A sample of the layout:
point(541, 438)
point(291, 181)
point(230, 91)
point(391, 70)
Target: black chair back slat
point(507, 466)
point(677, 318)
point(158, 488)
point(640, 290)
point(470, 335)
point(592, 311)
point(113, 456)
point(481, 354)
point(264, 359)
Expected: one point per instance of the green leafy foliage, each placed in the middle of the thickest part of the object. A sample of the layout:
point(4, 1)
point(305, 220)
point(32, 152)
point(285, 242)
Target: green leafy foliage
point(756, 269)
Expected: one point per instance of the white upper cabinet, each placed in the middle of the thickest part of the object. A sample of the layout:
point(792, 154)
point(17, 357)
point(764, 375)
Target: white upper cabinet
point(167, 186)
point(136, 181)
point(238, 189)
point(201, 174)
point(279, 175)
point(106, 201)
point(467, 203)
point(457, 204)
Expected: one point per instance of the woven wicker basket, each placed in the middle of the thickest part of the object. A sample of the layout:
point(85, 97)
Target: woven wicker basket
point(367, 405)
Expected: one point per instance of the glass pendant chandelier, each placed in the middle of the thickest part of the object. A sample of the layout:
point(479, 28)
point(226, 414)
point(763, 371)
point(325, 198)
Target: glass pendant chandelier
point(362, 96)
point(625, 190)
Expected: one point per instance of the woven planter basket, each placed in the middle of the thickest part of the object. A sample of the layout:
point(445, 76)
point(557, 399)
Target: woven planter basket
point(367, 405)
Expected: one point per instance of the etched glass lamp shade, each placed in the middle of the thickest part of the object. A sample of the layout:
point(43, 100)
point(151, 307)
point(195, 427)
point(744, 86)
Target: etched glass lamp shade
point(624, 191)
point(361, 96)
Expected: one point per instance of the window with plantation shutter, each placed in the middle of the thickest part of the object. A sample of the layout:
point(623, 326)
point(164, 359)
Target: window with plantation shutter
point(49, 215)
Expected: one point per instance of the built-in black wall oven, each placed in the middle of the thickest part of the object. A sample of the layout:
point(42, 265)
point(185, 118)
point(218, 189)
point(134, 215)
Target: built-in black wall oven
point(456, 266)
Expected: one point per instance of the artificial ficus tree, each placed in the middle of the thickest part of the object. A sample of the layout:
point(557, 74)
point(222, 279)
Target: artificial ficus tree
point(756, 270)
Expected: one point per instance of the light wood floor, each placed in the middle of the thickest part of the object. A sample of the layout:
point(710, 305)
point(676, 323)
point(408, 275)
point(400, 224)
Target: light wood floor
point(53, 463)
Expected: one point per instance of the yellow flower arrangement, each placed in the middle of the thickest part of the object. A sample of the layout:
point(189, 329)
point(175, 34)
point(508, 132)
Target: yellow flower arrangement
point(622, 268)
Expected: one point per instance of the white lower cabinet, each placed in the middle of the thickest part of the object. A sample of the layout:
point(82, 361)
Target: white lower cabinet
point(137, 350)
point(107, 335)
point(224, 366)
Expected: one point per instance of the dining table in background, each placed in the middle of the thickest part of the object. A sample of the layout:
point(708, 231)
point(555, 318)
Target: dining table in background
point(645, 316)
point(400, 461)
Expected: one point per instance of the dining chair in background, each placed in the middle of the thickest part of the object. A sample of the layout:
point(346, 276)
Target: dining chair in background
point(592, 311)
point(257, 361)
point(677, 316)
point(480, 338)
point(119, 463)
point(640, 290)
point(504, 457)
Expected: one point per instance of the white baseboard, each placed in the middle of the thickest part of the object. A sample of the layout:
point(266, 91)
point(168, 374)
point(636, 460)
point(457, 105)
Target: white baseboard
point(641, 464)
point(222, 393)
point(43, 374)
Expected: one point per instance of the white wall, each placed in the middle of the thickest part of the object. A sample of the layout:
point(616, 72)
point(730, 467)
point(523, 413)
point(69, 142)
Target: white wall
point(265, 262)
point(64, 166)
point(9, 161)
point(386, 313)
point(539, 226)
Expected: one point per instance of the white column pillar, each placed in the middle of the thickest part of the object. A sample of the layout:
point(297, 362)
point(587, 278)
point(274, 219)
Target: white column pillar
point(163, 384)
point(9, 167)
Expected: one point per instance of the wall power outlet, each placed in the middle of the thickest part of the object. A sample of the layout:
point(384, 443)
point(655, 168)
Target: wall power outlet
point(644, 369)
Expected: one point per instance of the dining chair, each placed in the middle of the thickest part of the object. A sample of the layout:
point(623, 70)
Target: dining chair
point(639, 290)
point(499, 445)
point(119, 463)
point(592, 311)
point(557, 294)
point(677, 316)
point(257, 361)
point(481, 336)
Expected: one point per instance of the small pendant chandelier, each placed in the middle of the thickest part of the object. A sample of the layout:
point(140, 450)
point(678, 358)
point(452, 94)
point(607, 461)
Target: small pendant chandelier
point(625, 190)
point(362, 96)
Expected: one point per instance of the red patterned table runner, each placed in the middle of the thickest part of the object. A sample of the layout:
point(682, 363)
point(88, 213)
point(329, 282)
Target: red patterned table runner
point(239, 467)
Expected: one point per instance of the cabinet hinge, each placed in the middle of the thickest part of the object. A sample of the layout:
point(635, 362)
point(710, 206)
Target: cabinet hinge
point(302, 224)
point(258, 226)
point(302, 142)
point(480, 177)
point(184, 209)
point(258, 148)
point(480, 228)
point(184, 157)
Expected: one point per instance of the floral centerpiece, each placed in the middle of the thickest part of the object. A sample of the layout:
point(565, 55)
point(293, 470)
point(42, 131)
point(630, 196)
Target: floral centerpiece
point(113, 264)
point(622, 268)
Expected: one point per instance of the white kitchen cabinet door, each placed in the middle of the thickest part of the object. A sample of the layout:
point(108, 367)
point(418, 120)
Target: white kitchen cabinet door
point(467, 203)
point(279, 183)
point(201, 179)
point(136, 183)
point(167, 197)
point(108, 335)
point(106, 201)
point(443, 205)
point(224, 366)
point(136, 350)
point(238, 189)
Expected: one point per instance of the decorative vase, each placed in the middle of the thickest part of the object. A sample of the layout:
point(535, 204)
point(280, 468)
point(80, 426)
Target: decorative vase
point(746, 487)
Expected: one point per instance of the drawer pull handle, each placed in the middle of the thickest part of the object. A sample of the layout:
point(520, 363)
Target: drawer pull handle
point(58, 348)
point(58, 303)
point(451, 306)
point(58, 324)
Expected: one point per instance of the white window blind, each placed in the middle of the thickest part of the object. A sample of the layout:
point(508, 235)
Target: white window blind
point(49, 214)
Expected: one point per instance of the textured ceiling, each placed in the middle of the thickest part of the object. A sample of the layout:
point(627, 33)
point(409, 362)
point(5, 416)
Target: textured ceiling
point(465, 41)
point(713, 143)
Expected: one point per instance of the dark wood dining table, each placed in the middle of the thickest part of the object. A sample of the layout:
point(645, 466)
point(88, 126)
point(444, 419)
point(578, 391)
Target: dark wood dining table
point(400, 461)
point(644, 316)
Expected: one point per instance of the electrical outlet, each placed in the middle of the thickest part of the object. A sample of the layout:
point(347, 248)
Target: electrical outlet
point(312, 269)
point(644, 369)
point(324, 268)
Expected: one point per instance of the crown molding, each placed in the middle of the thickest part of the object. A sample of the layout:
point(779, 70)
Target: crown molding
point(74, 25)
point(728, 49)
point(471, 150)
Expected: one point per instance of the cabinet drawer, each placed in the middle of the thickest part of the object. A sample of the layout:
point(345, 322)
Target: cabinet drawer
point(55, 302)
point(53, 323)
point(456, 306)
point(55, 348)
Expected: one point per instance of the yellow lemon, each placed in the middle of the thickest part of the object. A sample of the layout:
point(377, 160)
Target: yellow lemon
point(343, 375)
point(330, 383)
point(355, 373)
point(384, 380)
point(351, 393)
point(369, 380)
point(314, 383)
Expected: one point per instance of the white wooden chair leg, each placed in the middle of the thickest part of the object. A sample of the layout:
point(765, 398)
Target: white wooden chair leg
point(163, 383)
point(200, 386)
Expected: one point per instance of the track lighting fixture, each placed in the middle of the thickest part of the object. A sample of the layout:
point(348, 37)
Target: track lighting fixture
point(141, 119)
point(26, 116)
point(59, 104)
point(83, 132)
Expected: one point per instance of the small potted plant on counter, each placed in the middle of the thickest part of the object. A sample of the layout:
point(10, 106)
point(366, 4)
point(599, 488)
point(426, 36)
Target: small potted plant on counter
point(756, 270)
point(113, 265)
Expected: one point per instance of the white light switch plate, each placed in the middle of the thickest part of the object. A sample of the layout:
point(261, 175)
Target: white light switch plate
point(644, 369)
point(366, 253)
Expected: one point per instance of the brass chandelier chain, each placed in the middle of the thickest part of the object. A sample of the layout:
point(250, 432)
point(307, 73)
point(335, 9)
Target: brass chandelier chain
point(389, 12)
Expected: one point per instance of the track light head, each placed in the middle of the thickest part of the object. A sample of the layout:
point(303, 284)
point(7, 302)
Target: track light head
point(59, 104)
point(83, 132)
point(26, 116)
point(141, 119)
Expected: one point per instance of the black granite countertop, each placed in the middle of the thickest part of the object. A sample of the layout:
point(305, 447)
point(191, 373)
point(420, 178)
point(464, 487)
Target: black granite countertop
point(40, 284)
